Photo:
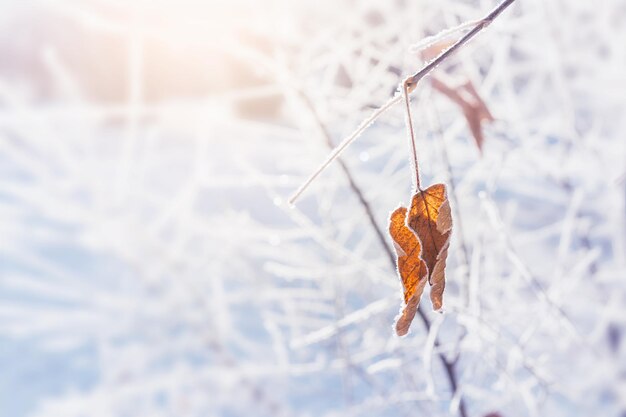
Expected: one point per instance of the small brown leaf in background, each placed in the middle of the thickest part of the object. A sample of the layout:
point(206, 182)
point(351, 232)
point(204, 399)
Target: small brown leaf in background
point(421, 238)
point(463, 93)
point(467, 98)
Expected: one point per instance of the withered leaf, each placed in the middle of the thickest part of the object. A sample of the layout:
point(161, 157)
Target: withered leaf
point(462, 93)
point(411, 267)
point(421, 238)
point(467, 98)
point(431, 220)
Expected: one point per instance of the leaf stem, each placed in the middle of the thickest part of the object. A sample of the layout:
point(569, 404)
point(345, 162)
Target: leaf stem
point(409, 124)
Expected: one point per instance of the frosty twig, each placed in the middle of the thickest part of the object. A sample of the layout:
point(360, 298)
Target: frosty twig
point(411, 82)
point(344, 144)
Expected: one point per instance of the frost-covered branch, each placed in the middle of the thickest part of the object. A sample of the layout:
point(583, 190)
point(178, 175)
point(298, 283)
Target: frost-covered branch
point(410, 83)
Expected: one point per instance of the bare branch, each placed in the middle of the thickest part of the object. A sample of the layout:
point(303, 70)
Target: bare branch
point(410, 83)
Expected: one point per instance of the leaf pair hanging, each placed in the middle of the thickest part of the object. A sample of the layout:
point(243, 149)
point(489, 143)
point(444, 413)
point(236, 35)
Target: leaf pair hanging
point(421, 237)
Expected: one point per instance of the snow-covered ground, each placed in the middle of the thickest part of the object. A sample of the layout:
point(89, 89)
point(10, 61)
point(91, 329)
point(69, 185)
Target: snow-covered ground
point(149, 262)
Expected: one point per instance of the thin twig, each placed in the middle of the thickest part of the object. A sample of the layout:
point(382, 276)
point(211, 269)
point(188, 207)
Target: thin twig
point(412, 82)
point(448, 365)
point(527, 275)
point(344, 144)
point(424, 43)
point(353, 185)
point(482, 23)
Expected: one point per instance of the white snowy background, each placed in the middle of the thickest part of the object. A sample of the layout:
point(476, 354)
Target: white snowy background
point(149, 263)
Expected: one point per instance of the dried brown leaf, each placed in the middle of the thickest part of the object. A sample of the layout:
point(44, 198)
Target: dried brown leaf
point(467, 98)
point(411, 267)
point(421, 238)
point(431, 220)
point(463, 93)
